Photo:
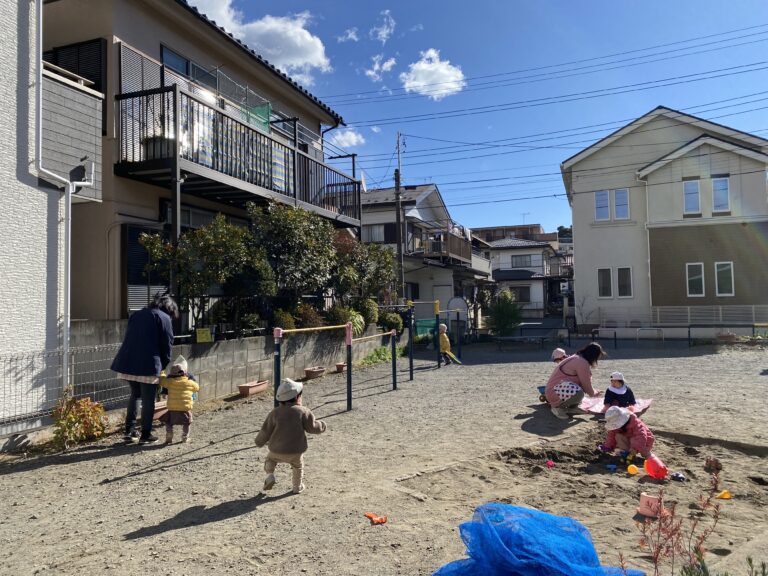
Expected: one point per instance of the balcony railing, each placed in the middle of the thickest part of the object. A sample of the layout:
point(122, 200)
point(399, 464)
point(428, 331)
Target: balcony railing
point(151, 121)
point(449, 246)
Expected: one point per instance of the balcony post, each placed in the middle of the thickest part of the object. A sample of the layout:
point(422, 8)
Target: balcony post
point(295, 161)
point(176, 181)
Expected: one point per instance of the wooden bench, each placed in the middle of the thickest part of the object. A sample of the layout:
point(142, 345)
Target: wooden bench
point(540, 338)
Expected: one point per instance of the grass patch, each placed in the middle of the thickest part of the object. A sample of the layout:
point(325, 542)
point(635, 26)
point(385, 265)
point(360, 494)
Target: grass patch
point(382, 354)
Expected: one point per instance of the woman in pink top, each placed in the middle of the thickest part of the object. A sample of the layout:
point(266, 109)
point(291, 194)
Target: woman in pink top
point(571, 379)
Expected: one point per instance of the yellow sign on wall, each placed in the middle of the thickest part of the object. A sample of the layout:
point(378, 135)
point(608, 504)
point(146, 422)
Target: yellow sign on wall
point(203, 335)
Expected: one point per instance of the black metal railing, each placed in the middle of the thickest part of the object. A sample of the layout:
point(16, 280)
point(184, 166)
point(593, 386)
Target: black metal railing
point(212, 138)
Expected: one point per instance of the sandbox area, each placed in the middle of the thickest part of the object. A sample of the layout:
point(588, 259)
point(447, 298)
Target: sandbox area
point(425, 455)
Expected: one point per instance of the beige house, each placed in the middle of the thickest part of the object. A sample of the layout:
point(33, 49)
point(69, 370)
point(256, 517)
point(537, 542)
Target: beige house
point(194, 123)
point(670, 224)
point(440, 260)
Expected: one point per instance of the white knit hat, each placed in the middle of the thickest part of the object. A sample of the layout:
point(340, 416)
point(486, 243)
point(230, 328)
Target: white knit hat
point(179, 365)
point(616, 417)
point(558, 353)
point(288, 390)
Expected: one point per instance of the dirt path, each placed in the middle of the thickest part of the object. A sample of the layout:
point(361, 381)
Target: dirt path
point(425, 455)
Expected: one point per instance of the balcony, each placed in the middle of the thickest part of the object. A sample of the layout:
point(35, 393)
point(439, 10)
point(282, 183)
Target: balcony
point(222, 158)
point(227, 141)
point(446, 245)
point(480, 263)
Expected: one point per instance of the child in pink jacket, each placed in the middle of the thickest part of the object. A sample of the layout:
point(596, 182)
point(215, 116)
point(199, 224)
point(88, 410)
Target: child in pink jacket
point(627, 433)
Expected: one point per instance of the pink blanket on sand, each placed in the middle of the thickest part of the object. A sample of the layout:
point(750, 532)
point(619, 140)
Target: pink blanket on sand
point(596, 406)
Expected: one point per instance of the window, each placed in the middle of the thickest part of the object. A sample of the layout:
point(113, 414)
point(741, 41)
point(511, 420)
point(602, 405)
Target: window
point(621, 204)
point(624, 282)
point(720, 196)
point(602, 205)
point(691, 204)
point(694, 273)
point(724, 278)
point(520, 261)
point(604, 289)
point(521, 293)
point(175, 61)
point(373, 233)
point(412, 290)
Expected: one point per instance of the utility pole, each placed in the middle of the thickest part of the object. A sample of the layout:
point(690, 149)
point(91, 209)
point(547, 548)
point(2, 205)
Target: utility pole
point(399, 236)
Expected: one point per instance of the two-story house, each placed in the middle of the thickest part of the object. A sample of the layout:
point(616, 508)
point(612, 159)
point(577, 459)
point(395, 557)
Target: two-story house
point(194, 123)
point(670, 222)
point(527, 268)
point(439, 259)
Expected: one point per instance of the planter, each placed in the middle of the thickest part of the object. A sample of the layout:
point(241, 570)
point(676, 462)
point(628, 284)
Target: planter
point(160, 409)
point(314, 372)
point(251, 388)
point(157, 147)
point(340, 366)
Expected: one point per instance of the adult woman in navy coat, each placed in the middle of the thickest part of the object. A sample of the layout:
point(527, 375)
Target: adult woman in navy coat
point(145, 351)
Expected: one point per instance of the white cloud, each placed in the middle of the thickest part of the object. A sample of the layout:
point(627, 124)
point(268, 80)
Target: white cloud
point(350, 35)
point(347, 138)
point(380, 66)
point(416, 28)
point(283, 40)
point(375, 129)
point(432, 77)
point(383, 32)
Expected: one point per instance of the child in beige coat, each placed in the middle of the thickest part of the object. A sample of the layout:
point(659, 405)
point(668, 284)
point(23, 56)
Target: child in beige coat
point(284, 432)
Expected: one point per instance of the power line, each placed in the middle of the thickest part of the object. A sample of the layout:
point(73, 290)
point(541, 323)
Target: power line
point(580, 61)
point(571, 97)
point(535, 78)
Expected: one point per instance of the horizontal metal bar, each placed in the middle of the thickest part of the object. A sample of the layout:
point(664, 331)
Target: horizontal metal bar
point(318, 329)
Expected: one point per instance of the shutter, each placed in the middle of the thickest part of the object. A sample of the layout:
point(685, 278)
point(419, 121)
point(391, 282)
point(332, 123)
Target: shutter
point(139, 291)
point(390, 233)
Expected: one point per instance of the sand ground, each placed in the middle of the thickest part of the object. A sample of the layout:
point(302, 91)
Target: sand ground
point(425, 456)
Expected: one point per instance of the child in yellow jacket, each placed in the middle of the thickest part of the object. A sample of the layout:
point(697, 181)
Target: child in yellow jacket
point(445, 344)
point(181, 387)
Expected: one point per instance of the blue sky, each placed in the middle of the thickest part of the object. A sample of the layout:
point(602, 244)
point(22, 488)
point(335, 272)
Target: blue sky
point(426, 68)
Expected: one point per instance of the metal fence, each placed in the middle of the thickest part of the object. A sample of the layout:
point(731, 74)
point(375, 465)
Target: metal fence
point(683, 315)
point(32, 383)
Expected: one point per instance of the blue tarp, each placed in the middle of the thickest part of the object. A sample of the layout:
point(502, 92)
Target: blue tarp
point(514, 541)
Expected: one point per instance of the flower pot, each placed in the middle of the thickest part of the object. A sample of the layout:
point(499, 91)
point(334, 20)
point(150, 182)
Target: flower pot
point(160, 409)
point(314, 372)
point(251, 388)
point(340, 366)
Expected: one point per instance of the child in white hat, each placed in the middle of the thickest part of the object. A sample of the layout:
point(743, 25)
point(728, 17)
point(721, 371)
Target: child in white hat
point(558, 355)
point(445, 344)
point(181, 388)
point(627, 433)
point(285, 433)
point(619, 394)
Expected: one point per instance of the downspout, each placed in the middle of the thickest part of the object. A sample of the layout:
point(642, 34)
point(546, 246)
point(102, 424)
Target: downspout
point(648, 247)
point(69, 188)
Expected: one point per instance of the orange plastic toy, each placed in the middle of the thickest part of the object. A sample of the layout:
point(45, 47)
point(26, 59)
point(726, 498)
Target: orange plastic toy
point(375, 519)
point(655, 468)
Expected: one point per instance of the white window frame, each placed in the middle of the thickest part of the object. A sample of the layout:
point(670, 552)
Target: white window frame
point(698, 196)
point(717, 281)
point(615, 215)
point(727, 194)
point(610, 283)
point(688, 280)
point(618, 284)
point(608, 203)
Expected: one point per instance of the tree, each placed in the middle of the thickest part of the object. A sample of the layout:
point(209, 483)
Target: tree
point(203, 258)
point(505, 314)
point(362, 270)
point(565, 232)
point(298, 246)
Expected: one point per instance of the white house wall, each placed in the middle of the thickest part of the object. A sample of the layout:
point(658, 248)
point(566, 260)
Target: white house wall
point(31, 239)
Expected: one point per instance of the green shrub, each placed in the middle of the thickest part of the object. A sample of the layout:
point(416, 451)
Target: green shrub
point(77, 420)
point(284, 319)
point(251, 321)
point(368, 309)
point(358, 324)
point(307, 316)
point(377, 356)
point(337, 315)
point(390, 320)
point(504, 314)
